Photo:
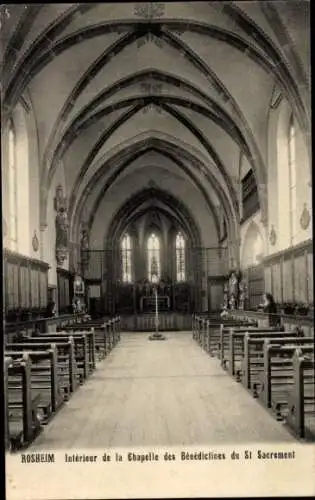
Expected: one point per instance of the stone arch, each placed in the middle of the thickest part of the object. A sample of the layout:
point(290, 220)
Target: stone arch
point(121, 155)
point(253, 249)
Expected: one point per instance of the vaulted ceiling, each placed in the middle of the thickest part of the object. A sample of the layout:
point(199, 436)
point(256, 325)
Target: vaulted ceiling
point(183, 86)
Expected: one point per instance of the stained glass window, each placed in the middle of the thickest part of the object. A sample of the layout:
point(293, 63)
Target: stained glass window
point(180, 258)
point(126, 259)
point(154, 261)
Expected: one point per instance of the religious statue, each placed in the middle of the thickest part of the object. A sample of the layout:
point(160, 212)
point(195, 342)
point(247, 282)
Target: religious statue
point(241, 294)
point(62, 229)
point(233, 290)
point(84, 240)
point(232, 302)
point(62, 226)
point(84, 246)
point(225, 296)
point(233, 283)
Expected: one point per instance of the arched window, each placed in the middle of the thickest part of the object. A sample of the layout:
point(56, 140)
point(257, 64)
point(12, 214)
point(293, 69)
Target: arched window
point(292, 178)
point(126, 259)
point(180, 258)
point(12, 188)
point(154, 261)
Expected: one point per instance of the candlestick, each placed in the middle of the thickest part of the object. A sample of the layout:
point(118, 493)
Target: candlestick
point(156, 312)
point(156, 335)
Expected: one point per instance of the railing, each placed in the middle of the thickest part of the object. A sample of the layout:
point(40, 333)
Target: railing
point(287, 321)
point(42, 325)
point(146, 322)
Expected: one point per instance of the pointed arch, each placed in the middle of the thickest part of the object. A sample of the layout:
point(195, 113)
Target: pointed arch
point(253, 246)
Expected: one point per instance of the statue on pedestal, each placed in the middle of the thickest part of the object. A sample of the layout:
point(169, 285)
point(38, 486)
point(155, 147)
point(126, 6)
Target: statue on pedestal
point(84, 246)
point(241, 295)
point(62, 226)
point(225, 296)
point(62, 229)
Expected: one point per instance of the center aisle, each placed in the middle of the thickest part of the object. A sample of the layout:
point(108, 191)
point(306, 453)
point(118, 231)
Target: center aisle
point(165, 393)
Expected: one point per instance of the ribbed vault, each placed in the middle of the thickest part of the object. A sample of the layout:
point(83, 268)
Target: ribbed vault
point(141, 203)
point(188, 83)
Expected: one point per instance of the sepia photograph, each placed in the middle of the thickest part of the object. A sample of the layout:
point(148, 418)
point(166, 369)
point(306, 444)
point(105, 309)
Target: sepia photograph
point(158, 312)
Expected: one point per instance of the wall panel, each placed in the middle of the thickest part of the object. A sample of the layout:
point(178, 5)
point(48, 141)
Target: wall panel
point(287, 280)
point(276, 282)
point(268, 279)
point(34, 288)
point(292, 274)
point(23, 295)
point(310, 284)
point(300, 279)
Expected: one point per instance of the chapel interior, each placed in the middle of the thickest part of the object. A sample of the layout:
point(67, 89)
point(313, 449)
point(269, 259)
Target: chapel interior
point(156, 160)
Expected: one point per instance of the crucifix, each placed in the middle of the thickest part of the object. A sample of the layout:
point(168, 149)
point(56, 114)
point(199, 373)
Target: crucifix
point(156, 335)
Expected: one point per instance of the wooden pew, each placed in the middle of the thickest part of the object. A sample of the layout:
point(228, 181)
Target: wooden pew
point(106, 334)
point(24, 424)
point(81, 352)
point(101, 336)
point(90, 344)
point(116, 329)
point(253, 361)
point(301, 398)
point(277, 377)
point(237, 344)
point(44, 379)
point(215, 334)
point(207, 331)
point(232, 343)
point(7, 362)
point(66, 364)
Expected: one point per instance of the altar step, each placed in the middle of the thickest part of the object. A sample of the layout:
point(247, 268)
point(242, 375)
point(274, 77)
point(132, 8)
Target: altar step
point(145, 322)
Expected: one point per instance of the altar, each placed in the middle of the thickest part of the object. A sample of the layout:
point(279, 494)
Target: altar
point(147, 303)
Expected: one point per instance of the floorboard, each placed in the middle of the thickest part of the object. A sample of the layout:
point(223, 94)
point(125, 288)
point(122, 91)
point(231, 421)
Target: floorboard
point(167, 393)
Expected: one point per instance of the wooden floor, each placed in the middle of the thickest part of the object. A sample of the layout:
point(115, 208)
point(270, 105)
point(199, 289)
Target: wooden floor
point(160, 393)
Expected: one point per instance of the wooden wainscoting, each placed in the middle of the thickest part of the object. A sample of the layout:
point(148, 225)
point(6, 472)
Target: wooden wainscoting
point(25, 286)
point(146, 322)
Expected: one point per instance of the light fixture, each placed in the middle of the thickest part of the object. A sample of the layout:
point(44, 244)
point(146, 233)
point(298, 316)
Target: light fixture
point(35, 242)
point(305, 218)
point(273, 236)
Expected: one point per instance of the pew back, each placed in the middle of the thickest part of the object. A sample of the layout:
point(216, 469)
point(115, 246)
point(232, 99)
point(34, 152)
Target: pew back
point(301, 399)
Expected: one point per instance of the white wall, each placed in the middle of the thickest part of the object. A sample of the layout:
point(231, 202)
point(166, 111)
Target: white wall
point(27, 167)
point(278, 180)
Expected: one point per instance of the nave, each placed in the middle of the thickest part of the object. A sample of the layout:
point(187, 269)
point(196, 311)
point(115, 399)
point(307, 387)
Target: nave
point(154, 189)
point(159, 394)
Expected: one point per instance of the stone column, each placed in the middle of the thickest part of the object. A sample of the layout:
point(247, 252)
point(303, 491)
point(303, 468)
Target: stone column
point(42, 241)
point(263, 202)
